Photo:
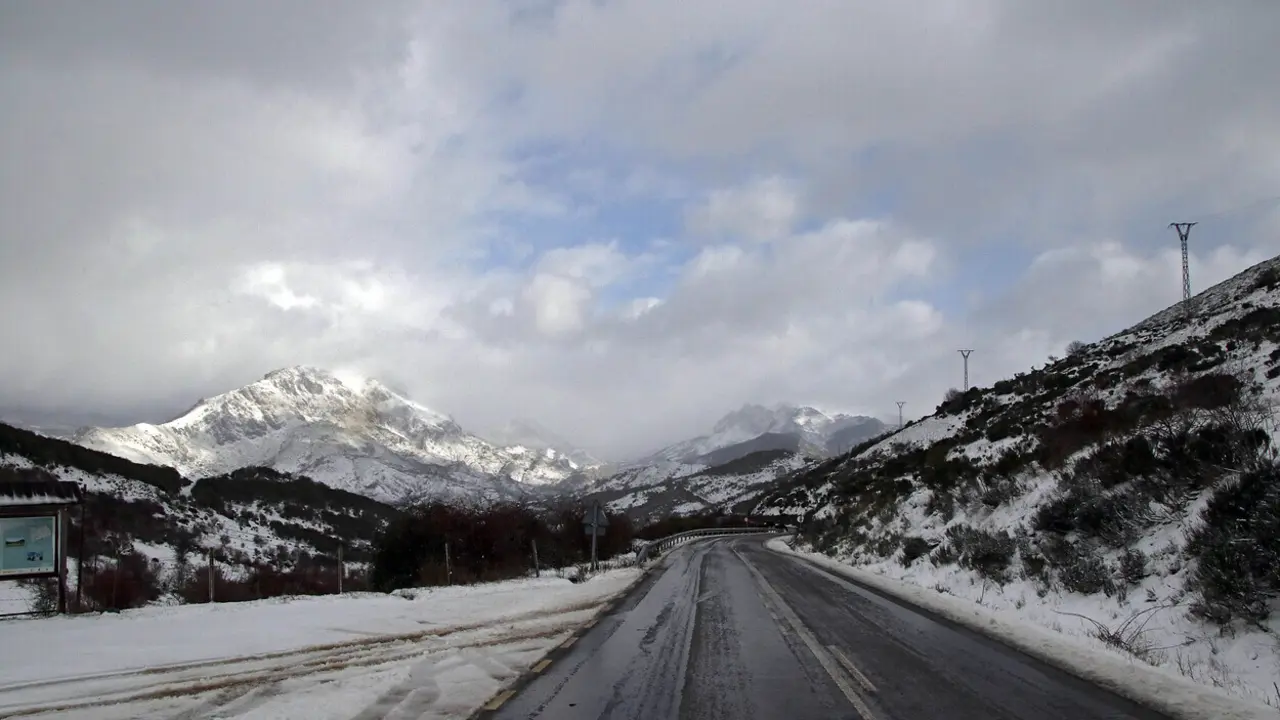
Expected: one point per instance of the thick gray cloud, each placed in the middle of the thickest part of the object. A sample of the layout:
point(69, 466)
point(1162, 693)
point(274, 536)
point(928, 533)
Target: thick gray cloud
point(193, 195)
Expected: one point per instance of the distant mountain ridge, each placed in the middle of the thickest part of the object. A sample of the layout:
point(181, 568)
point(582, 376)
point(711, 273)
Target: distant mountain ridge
point(745, 454)
point(350, 433)
point(532, 435)
point(754, 427)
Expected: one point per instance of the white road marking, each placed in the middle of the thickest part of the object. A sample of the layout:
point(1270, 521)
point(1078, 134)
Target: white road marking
point(823, 657)
point(853, 669)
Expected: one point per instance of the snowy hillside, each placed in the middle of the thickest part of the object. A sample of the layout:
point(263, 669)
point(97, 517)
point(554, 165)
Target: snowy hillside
point(151, 521)
point(650, 494)
point(349, 433)
point(814, 433)
point(1126, 492)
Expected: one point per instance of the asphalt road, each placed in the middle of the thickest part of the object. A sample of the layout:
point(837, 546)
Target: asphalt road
point(728, 629)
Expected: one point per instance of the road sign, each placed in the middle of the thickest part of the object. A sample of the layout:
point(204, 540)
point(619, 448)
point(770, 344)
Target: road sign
point(595, 519)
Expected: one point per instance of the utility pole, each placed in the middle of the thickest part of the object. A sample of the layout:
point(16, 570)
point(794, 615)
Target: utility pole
point(595, 531)
point(900, 404)
point(1184, 232)
point(965, 353)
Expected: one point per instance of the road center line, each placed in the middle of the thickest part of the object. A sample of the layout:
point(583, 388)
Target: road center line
point(853, 669)
point(823, 657)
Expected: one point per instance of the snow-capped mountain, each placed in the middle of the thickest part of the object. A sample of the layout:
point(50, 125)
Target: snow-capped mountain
point(753, 428)
point(654, 492)
point(347, 432)
point(524, 435)
point(745, 454)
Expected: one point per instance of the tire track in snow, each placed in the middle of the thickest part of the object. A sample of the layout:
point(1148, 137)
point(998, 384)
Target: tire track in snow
point(237, 681)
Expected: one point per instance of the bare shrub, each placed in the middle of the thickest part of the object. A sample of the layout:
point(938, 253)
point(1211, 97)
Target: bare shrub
point(127, 582)
point(44, 594)
point(1128, 636)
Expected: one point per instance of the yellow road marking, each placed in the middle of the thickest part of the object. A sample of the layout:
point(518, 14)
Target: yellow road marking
point(569, 642)
point(542, 665)
point(500, 698)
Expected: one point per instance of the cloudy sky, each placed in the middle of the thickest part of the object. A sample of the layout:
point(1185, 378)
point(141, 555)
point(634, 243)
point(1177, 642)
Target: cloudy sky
point(622, 218)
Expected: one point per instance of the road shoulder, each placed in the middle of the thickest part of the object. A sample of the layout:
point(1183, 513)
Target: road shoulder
point(1172, 695)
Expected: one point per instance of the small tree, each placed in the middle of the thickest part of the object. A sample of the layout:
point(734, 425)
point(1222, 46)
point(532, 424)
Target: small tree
point(952, 395)
point(1075, 347)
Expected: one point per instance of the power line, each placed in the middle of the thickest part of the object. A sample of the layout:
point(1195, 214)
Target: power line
point(1184, 231)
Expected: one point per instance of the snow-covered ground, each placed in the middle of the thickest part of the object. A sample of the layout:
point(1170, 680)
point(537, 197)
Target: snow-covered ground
point(1194, 682)
point(437, 653)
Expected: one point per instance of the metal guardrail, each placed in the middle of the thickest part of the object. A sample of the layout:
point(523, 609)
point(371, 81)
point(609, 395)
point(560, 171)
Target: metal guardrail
point(661, 545)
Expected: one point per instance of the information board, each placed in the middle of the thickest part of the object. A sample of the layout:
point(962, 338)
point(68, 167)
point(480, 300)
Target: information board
point(28, 545)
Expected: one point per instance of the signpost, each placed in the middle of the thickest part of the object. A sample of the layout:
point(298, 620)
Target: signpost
point(34, 521)
point(595, 522)
point(29, 546)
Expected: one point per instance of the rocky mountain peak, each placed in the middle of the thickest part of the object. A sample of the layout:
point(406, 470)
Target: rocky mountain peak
point(340, 428)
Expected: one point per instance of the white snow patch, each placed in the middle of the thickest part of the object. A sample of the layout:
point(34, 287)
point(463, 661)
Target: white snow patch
point(430, 653)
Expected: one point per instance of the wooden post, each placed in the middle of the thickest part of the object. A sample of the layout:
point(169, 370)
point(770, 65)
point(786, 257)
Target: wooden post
point(448, 569)
point(115, 578)
point(537, 571)
point(80, 563)
point(210, 557)
point(64, 529)
point(341, 571)
point(595, 530)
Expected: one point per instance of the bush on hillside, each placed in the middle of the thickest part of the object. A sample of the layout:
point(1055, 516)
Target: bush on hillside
point(1268, 279)
point(1133, 566)
point(987, 553)
point(1237, 549)
point(1085, 572)
point(914, 548)
point(129, 582)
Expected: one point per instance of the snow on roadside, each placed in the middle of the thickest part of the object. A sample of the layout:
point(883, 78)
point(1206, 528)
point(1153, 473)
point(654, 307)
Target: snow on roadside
point(280, 657)
point(1156, 687)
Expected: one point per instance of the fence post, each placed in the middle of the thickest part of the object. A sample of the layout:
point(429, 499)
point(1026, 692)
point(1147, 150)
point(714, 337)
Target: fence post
point(448, 569)
point(115, 579)
point(537, 571)
point(341, 570)
point(64, 529)
point(80, 563)
point(210, 556)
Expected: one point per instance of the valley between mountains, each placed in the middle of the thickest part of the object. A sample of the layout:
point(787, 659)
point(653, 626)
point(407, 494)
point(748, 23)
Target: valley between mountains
point(1127, 493)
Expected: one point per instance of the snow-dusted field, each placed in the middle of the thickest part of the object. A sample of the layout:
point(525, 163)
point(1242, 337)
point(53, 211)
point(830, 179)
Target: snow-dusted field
point(1247, 666)
point(436, 653)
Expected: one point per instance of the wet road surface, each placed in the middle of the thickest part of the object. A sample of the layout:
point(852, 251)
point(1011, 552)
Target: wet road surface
point(728, 629)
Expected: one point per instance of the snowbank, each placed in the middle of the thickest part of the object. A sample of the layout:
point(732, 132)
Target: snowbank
point(313, 657)
point(1158, 688)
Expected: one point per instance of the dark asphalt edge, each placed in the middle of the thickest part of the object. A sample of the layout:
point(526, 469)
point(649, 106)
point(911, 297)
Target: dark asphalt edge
point(491, 706)
point(1151, 701)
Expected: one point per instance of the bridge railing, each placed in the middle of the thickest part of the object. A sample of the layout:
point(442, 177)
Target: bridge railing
point(657, 547)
